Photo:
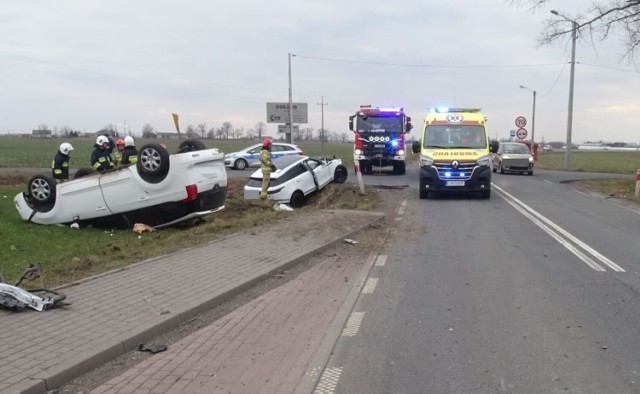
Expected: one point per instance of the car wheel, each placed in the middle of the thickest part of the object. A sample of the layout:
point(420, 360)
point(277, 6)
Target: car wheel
point(399, 168)
point(340, 175)
point(191, 146)
point(500, 169)
point(530, 172)
point(153, 163)
point(42, 189)
point(297, 199)
point(240, 164)
point(424, 194)
point(486, 194)
point(84, 171)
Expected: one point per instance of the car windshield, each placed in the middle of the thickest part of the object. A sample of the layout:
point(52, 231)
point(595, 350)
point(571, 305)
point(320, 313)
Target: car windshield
point(455, 136)
point(285, 161)
point(379, 124)
point(516, 149)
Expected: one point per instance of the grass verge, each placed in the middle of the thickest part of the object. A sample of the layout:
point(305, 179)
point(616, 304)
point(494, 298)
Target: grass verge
point(69, 255)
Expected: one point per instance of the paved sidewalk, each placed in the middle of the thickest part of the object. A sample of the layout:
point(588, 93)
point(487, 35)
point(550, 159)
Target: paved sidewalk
point(113, 313)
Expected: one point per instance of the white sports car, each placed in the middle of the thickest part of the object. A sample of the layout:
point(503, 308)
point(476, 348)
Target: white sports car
point(160, 190)
point(295, 178)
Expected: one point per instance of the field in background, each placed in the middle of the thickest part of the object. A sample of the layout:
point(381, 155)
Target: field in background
point(608, 162)
point(39, 152)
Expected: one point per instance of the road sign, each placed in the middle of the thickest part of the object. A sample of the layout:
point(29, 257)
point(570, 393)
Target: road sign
point(279, 112)
point(512, 133)
point(521, 121)
point(284, 128)
point(521, 133)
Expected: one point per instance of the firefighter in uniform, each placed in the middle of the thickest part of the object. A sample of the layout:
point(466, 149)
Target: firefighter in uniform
point(100, 157)
point(267, 167)
point(60, 163)
point(117, 155)
point(130, 153)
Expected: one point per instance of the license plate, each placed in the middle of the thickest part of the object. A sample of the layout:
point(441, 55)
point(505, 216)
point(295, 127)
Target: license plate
point(455, 183)
point(378, 146)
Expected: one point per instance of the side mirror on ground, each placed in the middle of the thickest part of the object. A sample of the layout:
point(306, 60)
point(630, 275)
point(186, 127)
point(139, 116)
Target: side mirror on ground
point(415, 146)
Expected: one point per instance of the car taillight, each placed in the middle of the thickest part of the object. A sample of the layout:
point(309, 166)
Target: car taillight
point(192, 193)
point(301, 153)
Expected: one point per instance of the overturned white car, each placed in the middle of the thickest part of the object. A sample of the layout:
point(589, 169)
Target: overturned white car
point(160, 190)
point(296, 177)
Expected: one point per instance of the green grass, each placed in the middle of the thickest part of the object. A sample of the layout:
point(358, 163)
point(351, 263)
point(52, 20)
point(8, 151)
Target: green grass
point(608, 162)
point(39, 152)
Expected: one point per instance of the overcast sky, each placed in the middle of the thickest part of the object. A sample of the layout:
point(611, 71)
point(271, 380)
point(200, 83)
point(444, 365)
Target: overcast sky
point(86, 64)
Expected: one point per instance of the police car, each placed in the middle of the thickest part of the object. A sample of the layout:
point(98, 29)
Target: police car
point(250, 157)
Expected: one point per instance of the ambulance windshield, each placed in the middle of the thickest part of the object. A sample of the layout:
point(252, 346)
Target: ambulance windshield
point(455, 136)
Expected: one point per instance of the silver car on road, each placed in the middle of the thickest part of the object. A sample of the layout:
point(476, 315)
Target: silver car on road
point(513, 157)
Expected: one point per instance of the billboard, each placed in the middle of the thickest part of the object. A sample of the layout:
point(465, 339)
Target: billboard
point(279, 112)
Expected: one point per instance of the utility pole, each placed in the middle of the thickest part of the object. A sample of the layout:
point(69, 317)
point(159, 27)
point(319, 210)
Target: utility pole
point(290, 136)
point(322, 104)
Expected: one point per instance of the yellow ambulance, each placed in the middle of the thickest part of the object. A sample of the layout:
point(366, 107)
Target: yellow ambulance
point(454, 152)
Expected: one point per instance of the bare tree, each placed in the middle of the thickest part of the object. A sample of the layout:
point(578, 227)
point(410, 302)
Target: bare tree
point(219, 132)
point(250, 134)
point(148, 131)
point(66, 131)
point(191, 131)
point(228, 128)
point(600, 19)
point(211, 134)
point(42, 127)
point(202, 129)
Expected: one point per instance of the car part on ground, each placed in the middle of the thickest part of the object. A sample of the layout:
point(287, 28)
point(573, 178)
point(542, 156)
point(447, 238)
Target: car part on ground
point(17, 299)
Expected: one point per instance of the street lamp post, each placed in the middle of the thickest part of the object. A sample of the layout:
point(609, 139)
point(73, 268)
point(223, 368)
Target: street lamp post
point(290, 139)
point(533, 116)
point(574, 33)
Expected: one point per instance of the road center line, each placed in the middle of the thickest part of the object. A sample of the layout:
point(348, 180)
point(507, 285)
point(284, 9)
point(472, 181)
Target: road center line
point(547, 225)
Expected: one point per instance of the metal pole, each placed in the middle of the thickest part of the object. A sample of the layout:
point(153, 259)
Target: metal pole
point(567, 152)
point(290, 105)
point(533, 121)
point(322, 103)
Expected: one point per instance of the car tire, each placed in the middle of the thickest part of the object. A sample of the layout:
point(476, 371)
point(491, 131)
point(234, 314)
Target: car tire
point(297, 199)
point(530, 172)
point(240, 164)
point(500, 169)
point(340, 174)
point(42, 190)
point(84, 171)
point(399, 168)
point(486, 194)
point(153, 163)
point(424, 194)
point(191, 146)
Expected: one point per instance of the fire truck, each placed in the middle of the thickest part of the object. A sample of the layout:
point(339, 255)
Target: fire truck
point(379, 138)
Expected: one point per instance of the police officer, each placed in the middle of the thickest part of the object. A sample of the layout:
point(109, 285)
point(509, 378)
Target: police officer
point(130, 153)
point(267, 167)
point(100, 157)
point(60, 163)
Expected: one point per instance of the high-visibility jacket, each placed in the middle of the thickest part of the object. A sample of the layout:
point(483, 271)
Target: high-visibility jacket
point(117, 158)
point(101, 159)
point(60, 166)
point(129, 155)
point(265, 160)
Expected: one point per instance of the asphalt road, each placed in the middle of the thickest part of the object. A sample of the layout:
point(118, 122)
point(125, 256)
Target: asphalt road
point(535, 290)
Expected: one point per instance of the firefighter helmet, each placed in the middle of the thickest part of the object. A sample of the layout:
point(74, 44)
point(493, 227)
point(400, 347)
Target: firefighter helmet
point(65, 148)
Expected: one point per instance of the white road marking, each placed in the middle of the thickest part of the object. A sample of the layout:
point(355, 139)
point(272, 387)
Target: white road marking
point(403, 206)
point(329, 381)
point(548, 226)
point(548, 181)
point(370, 286)
point(381, 260)
point(353, 324)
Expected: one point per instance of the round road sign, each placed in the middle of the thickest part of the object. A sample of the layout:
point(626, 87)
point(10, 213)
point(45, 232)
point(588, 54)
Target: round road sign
point(521, 133)
point(521, 121)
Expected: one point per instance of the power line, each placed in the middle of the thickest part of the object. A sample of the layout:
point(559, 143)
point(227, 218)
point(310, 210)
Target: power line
point(424, 65)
